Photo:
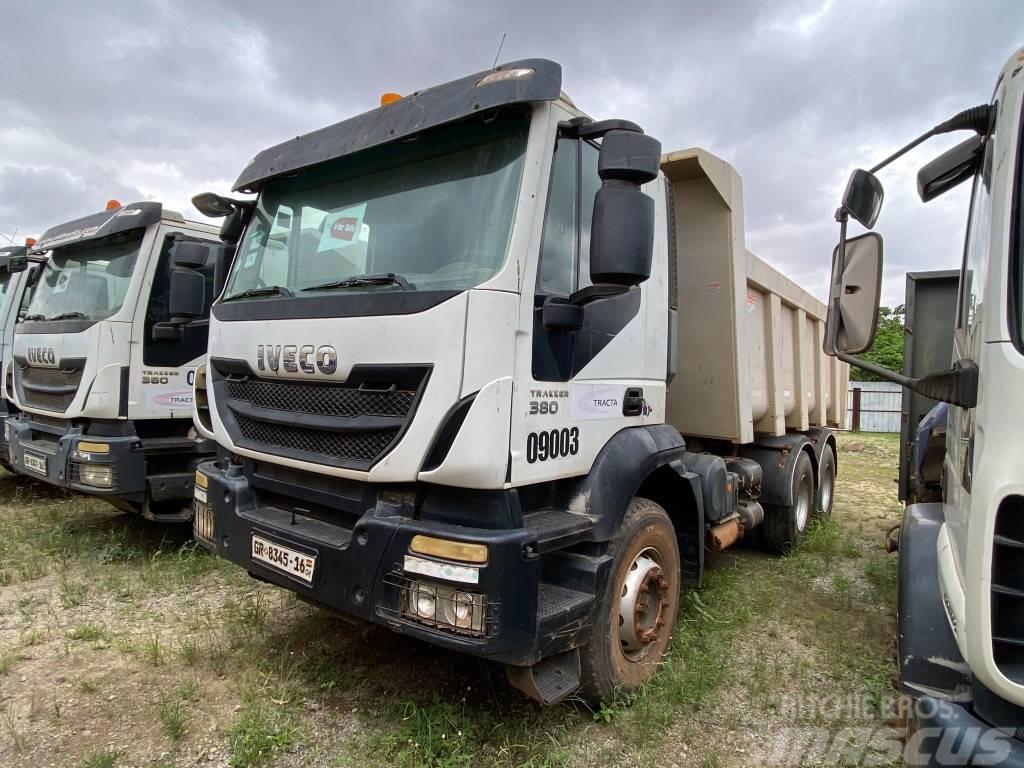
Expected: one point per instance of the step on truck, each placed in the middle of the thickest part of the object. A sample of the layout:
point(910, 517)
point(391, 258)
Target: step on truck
point(105, 356)
point(961, 559)
point(18, 273)
point(498, 376)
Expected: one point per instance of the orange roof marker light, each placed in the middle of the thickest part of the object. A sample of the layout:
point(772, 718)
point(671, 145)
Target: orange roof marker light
point(113, 205)
point(389, 98)
point(29, 242)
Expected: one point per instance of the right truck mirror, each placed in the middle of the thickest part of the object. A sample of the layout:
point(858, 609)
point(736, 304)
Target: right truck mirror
point(859, 289)
point(622, 229)
point(862, 198)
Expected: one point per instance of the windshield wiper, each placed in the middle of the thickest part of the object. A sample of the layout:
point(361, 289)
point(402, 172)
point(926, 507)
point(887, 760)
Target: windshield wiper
point(34, 318)
point(269, 290)
point(69, 316)
point(383, 278)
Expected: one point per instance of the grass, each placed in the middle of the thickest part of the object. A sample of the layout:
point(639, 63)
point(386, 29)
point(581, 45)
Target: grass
point(104, 759)
point(762, 637)
point(87, 631)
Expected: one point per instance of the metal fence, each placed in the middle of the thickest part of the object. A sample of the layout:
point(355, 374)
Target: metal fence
point(874, 406)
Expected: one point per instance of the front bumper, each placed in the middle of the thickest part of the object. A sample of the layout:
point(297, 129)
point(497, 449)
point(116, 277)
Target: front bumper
point(49, 450)
point(942, 734)
point(359, 565)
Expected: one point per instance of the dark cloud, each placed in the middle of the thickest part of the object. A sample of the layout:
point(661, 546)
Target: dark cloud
point(166, 99)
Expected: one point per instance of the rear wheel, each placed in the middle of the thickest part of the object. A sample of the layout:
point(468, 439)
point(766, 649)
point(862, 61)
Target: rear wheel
point(826, 484)
point(638, 606)
point(784, 525)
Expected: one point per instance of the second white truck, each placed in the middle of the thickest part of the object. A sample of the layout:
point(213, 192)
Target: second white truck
point(105, 356)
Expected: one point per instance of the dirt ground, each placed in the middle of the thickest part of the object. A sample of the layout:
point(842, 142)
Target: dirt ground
point(122, 644)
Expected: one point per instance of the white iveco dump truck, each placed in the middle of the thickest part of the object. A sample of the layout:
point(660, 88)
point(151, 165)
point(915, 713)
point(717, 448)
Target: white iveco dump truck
point(961, 576)
point(452, 368)
point(18, 273)
point(105, 357)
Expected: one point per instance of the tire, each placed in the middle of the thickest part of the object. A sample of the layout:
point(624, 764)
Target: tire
point(784, 526)
point(645, 569)
point(826, 495)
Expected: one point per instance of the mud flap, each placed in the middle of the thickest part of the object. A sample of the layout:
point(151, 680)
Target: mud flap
point(548, 681)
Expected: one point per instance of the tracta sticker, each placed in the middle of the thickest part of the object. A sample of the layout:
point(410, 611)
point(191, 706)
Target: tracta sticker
point(597, 401)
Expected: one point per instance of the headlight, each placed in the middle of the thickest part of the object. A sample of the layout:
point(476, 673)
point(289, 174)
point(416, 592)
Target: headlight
point(100, 476)
point(445, 608)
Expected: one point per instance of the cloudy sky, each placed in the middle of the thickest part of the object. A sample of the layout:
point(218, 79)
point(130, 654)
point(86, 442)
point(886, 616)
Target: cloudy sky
point(160, 100)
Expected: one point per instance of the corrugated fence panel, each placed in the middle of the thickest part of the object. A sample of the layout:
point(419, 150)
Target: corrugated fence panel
point(876, 408)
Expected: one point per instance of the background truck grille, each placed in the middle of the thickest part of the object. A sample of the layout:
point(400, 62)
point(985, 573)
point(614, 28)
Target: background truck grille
point(349, 425)
point(1008, 589)
point(51, 389)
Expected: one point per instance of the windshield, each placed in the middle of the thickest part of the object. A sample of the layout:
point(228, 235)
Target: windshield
point(432, 213)
point(87, 281)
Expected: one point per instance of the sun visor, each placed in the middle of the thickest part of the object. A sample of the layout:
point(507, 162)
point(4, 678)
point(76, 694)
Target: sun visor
point(518, 82)
point(97, 225)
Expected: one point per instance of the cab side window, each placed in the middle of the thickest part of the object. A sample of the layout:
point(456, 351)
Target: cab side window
point(192, 344)
point(565, 248)
point(975, 266)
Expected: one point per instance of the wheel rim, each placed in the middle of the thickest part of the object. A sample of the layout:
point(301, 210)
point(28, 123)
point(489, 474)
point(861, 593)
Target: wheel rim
point(803, 504)
point(643, 603)
point(827, 485)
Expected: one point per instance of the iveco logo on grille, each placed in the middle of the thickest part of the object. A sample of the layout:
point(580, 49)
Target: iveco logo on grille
point(297, 357)
point(42, 357)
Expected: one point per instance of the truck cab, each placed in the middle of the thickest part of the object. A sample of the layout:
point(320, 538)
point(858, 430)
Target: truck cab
point(961, 577)
point(440, 379)
point(105, 356)
point(18, 273)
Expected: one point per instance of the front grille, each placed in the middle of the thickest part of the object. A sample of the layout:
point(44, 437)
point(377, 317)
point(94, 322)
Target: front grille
point(51, 389)
point(356, 446)
point(322, 399)
point(348, 425)
point(1008, 589)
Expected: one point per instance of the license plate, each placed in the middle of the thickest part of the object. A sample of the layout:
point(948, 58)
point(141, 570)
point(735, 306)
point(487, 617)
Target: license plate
point(297, 564)
point(35, 463)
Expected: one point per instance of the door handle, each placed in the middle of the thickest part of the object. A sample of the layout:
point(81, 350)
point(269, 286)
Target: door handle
point(633, 403)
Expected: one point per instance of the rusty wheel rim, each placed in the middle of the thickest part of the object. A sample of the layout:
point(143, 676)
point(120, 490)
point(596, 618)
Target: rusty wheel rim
point(643, 604)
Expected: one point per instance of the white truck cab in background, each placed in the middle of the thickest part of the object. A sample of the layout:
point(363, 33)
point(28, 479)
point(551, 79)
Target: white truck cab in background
point(961, 577)
point(105, 356)
point(18, 272)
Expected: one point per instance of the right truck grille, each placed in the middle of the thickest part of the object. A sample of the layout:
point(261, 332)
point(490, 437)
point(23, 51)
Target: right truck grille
point(351, 424)
point(50, 389)
point(1008, 589)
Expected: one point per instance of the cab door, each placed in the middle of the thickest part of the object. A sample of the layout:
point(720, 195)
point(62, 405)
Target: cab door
point(163, 365)
point(968, 340)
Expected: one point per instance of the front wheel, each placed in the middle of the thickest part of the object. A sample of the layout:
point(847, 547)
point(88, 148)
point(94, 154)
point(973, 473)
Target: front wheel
point(784, 525)
point(638, 606)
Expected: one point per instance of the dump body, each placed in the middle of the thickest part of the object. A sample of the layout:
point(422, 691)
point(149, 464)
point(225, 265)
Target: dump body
point(749, 340)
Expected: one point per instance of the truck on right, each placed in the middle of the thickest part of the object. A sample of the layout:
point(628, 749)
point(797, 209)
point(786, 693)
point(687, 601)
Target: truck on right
point(961, 557)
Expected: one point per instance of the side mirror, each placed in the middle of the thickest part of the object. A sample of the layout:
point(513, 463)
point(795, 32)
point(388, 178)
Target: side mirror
point(950, 168)
point(622, 229)
point(187, 295)
point(190, 255)
point(560, 314)
point(863, 197)
point(860, 288)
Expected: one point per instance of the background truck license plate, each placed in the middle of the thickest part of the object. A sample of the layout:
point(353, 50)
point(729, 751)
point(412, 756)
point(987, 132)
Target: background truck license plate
point(35, 463)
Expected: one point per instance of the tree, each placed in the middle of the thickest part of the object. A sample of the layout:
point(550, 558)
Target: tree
point(887, 350)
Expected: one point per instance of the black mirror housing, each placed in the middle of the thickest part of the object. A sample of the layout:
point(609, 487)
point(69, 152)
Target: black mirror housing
point(621, 235)
point(187, 295)
point(190, 255)
point(863, 197)
point(629, 156)
point(950, 169)
point(167, 332)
